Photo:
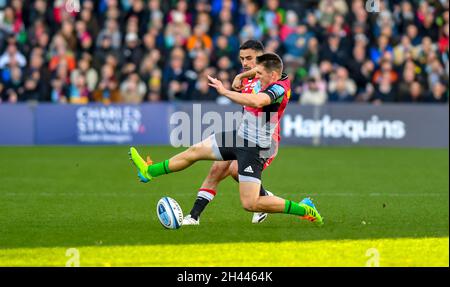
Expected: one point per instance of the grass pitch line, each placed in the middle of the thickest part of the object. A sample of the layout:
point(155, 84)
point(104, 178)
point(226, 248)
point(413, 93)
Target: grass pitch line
point(352, 253)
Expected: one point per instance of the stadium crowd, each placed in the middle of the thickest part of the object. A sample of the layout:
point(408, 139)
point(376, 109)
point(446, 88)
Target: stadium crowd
point(135, 51)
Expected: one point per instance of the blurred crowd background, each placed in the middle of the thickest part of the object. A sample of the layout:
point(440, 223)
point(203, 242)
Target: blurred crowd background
point(134, 51)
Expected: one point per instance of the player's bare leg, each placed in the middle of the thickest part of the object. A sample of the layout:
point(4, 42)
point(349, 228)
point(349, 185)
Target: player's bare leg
point(218, 172)
point(200, 151)
point(252, 201)
point(179, 162)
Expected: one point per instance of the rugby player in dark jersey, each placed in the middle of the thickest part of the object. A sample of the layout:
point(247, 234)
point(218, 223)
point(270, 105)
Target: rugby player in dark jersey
point(220, 170)
point(250, 145)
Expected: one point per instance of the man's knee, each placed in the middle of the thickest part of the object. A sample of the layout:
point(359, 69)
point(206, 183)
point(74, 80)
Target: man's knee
point(199, 151)
point(249, 205)
point(233, 170)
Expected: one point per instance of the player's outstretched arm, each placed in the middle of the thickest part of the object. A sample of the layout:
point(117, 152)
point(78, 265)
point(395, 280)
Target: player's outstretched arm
point(250, 100)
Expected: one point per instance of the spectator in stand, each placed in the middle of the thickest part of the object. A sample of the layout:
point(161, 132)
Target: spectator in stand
point(407, 16)
point(14, 87)
point(181, 10)
point(439, 93)
point(85, 69)
point(355, 67)
point(435, 71)
point(79, 92)
point(333, 51)
point(416, 93)
point(201, 91)
point(227, 30)
point(314, 93)
point(385, 70)
point(155, 16)
point(250, 27)
point(341, 88)
point(177, 31)
point(424, 50)
point(87, 16)
point(12, 53)
point(312, 55)
point(108, 89)
point(154, 86)
point(60, 53)
point(444, 38)
point(199, 41)
point(377, 52)
point(133, 89)
point(112, 32)
point(37, 85)
point(403, 49)
point(413, 33)
point(290, 26)
point(297, 42)
point(193, 75)
point(222, 48)
point(132, 52)
point(59, 91)
point(69, 35)
point(271, 16)
point(384, 89)
point(408, 78)
point(174, 78)
point(103, 51)
point(225, 16)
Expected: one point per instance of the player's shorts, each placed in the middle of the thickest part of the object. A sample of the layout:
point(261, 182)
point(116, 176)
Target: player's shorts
point(252, 159)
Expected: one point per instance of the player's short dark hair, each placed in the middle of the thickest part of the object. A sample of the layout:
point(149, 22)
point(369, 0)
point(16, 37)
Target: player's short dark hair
point(252, 45)
point(271, 62)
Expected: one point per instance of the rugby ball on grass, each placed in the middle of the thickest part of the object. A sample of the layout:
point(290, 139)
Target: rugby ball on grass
point(169, 213)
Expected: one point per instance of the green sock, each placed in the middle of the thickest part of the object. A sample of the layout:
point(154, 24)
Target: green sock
point(159, 168)
point(294, 208)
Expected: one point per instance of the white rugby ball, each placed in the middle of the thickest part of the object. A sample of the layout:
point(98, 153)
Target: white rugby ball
point(169, 213)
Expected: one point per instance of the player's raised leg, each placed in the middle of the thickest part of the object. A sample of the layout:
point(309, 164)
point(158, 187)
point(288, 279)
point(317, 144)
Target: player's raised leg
point(251, 201)
point(219, 171)
point(200, 151)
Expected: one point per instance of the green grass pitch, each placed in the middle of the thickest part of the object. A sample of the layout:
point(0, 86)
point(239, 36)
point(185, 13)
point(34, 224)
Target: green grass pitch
point(391, 201)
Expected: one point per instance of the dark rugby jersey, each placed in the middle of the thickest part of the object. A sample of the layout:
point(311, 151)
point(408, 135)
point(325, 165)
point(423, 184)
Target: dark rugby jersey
point(260, 125)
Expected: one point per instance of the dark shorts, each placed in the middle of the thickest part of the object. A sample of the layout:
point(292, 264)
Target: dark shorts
point(251, 158)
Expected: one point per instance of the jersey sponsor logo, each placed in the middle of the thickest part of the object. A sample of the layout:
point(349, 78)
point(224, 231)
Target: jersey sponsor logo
point(249, 169)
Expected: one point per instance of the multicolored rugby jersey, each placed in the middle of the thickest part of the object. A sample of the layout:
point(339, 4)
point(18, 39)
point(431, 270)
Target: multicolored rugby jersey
point(261, 126)
point(251, 86)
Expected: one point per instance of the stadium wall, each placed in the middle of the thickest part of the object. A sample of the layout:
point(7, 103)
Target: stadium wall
point(403, 125)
